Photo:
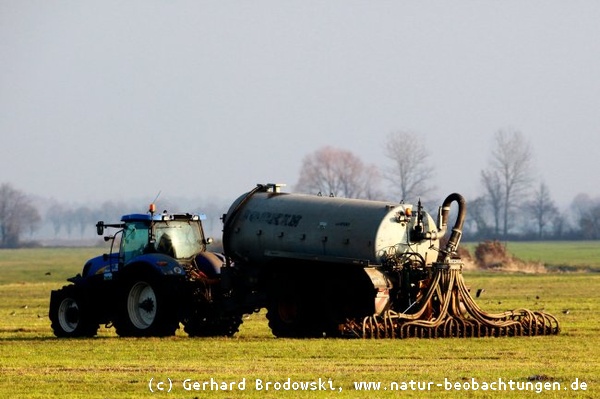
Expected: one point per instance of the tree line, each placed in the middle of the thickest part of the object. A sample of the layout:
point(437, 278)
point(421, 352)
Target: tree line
point(24, 218)
point(20, 217)
point(513, 205)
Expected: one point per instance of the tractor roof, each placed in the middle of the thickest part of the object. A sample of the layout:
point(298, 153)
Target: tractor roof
point(139, 217)
point(146, 217)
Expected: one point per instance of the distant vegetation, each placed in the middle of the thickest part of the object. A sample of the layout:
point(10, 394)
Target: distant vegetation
point(513, 205)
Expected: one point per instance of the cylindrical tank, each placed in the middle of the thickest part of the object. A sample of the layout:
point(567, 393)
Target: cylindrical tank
point(262, 225)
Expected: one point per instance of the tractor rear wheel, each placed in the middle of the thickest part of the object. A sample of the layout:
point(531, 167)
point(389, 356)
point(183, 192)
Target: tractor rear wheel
point(146, 309)
point(70, 315)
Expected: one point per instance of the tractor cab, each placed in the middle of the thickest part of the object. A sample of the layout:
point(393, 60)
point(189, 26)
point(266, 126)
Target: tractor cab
point(178, 236)
point(157, 239)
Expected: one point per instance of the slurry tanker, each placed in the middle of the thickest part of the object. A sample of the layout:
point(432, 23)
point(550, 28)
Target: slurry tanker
point(321, 266)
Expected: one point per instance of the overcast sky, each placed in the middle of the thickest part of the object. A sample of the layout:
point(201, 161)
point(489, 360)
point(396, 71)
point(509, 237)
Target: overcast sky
point(105, 100)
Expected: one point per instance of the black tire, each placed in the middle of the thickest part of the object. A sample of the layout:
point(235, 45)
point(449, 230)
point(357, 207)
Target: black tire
point(296, 307)
point(218, 326)
point(284, 319)
point(295, 316)
point(146, 308)
point(70, 314)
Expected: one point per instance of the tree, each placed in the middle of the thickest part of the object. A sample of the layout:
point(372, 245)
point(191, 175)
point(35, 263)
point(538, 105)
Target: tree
point(337, 172)
point(590, 223)
point(588, 212)
point(559, 225)
point(411, 172)
point(509, 173)
point(17, 214)
point(542, 208)
point(85, 217)
point(477, 217)
point(55, 215)
point(493, 188)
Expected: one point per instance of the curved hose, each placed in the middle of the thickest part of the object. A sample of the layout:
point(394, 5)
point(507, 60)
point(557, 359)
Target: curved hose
point(454, 239)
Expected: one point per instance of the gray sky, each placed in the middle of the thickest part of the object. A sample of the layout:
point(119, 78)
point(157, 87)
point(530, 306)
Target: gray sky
point(121, 99)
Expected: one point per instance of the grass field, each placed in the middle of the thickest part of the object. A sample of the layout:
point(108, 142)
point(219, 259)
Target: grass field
point(34, 364)
point(571, 255)
point(557, 255)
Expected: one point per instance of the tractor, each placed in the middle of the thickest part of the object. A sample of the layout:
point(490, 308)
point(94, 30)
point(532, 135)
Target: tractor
point(157, 275)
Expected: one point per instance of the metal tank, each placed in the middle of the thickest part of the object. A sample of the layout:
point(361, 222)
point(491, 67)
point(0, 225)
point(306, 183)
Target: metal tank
point(266, 224)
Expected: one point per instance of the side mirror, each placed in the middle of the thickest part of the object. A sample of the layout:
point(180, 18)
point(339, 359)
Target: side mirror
point(100, 228)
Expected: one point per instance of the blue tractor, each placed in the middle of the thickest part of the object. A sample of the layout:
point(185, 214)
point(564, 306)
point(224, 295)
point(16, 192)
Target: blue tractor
point(157, 276)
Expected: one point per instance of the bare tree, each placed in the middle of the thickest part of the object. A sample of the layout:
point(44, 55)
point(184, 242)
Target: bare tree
point(477, 216)
point(510, 172)
point(55, 216)
point(332, 171)
point(411, 172)
point(85, 217)
point(494, 198)
point(542, 208)
point(590, 224)
point(588, 210)
point(581, 204)
point(17, 214)
point(559, 225)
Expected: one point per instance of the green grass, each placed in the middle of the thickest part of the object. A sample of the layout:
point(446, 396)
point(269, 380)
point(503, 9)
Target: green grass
point(556, 255)
point(559, 254)
point(34, 364)
point(43, 264)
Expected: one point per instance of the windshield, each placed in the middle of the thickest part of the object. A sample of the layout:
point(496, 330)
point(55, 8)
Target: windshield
point(134, 240)
point(176, 238)
point(179, 238)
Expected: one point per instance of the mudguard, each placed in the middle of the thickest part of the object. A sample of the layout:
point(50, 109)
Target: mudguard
point(210, 263)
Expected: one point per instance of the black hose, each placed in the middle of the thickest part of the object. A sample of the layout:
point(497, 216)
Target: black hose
point(454, 239)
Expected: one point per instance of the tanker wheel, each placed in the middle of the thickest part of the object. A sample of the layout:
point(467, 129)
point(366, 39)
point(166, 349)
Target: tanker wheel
point(283, 319)
point(291, 317)
point(146, 309)
point(297, 307)
point(69, 314)
point(218, 326)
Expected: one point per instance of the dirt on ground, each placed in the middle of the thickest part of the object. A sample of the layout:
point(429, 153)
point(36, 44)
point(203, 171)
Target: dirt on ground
point(492, 255)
